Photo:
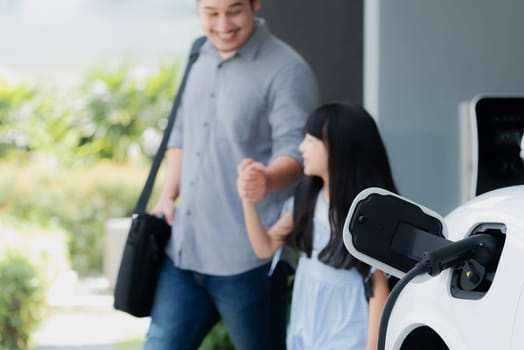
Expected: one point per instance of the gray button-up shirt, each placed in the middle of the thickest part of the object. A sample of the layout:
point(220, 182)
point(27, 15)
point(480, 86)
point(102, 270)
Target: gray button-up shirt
point(254, 105)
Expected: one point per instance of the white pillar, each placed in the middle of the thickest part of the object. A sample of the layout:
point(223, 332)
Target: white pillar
point(116, 230)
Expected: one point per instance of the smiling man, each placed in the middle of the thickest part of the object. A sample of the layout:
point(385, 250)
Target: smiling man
point(247, 96)
point(228, 25)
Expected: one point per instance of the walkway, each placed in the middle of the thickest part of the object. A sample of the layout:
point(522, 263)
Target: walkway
point(82, 317)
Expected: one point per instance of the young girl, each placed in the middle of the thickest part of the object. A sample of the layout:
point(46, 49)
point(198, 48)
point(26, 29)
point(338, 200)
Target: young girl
point(343, 154)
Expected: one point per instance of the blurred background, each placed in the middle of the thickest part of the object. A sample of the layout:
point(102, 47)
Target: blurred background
point(86, 87)
point(59, 39)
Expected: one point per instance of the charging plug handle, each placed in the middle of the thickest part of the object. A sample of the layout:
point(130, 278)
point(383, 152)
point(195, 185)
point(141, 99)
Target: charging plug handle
point(481, 247)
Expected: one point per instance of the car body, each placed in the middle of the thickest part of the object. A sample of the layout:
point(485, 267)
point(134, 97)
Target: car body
point(431, 312)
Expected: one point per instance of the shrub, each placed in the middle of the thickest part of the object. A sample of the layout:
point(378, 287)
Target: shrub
point(217, 339)
point(111, 114)
point(45, 246)
point(21, 302)
point(77, 201)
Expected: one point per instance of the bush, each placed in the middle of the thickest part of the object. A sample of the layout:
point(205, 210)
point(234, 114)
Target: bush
point(52, 141)
point(217, 339)
point(111, 114)
point(77, 201)
point(45, 246)
point(22, 301)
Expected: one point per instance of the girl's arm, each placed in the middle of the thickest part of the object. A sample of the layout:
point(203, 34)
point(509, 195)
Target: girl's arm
point(264, 242)
point(376, 304)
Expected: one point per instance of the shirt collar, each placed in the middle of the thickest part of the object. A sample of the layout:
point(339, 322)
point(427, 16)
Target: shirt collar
point(250, 48)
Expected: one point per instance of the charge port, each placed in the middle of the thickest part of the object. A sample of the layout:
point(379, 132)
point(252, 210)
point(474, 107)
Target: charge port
point(473, 278)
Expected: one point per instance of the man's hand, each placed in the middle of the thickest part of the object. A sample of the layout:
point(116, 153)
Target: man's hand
point(251, 181)
point(165, 208)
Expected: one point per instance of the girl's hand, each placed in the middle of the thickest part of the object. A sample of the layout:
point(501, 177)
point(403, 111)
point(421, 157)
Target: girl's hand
point(251, 181)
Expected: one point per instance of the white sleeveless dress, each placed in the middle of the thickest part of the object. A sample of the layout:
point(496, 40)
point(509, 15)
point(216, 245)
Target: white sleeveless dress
point(329, 309)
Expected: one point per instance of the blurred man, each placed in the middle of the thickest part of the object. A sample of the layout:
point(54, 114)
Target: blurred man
point(247, 96)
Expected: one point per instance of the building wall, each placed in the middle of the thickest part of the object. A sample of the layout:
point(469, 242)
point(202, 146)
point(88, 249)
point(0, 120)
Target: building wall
point(422, 58)
point(329, 36)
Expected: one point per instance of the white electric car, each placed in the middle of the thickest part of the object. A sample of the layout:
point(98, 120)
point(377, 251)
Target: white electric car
point(461, 286)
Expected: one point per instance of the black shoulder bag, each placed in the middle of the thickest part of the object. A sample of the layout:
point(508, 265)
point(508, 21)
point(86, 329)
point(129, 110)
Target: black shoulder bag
point(148, 235)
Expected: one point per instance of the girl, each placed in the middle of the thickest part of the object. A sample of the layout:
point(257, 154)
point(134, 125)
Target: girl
point(343, 154)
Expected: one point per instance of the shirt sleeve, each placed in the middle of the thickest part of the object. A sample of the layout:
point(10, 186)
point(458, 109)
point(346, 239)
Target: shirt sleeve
point(175, 138)
point(293, 96)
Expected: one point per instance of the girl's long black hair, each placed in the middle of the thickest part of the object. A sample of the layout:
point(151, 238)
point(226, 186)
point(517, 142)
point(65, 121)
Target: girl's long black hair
point(357, 160)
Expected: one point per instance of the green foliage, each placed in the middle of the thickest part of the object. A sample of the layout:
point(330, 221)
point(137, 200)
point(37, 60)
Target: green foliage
point(112, 114)
point(12, 98)
point(120, 112)
point(55, 149)
point(77, 201)
point(45, 245)
point(21, 301)
point(217, 339)
point(115, 115)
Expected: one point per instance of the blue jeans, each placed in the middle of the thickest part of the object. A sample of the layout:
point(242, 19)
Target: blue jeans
point(188, 304)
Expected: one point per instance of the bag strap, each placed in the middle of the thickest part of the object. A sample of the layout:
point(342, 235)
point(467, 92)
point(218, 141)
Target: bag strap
point(148, 187)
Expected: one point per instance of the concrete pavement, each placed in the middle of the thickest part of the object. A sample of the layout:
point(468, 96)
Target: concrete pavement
point(82, 317)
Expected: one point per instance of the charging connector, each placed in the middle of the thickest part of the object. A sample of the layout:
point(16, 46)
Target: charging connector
point(482, 248)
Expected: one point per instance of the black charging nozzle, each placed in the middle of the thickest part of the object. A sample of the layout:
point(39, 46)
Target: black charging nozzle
point(480, 247)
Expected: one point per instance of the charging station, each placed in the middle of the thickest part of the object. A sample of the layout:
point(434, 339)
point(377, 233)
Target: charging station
point(460, 282)
point(491, 143)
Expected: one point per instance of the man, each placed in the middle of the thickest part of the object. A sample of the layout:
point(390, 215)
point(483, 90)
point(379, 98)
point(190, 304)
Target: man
point(247, 96)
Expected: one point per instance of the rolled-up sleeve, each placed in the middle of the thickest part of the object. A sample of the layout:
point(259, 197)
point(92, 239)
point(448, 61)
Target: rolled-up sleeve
point(293, 96)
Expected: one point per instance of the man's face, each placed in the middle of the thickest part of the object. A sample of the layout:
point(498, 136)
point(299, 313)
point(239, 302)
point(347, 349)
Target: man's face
point(228, 23)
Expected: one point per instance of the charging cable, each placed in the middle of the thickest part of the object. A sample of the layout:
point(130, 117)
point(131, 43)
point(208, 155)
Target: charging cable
point(481, 247)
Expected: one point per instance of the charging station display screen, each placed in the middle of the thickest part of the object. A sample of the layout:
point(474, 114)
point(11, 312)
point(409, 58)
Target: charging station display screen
point(500, 125)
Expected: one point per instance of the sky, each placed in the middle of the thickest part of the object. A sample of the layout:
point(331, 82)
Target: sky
point(55, 40)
